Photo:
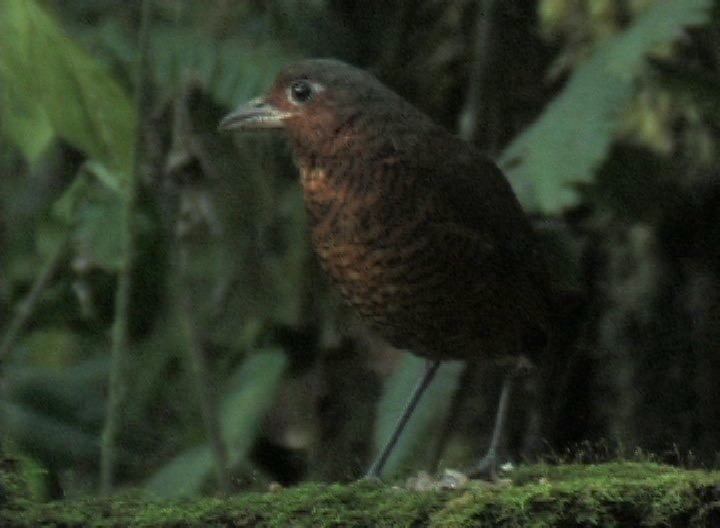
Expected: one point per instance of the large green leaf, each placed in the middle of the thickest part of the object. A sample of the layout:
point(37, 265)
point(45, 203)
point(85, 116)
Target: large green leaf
point(233, 70)
point(53, 410)
point(49, 81)
point(53, 88)
point(570, 139)
point(59, 442)
point(427, 421)
point(248, 395)
point(25, 123)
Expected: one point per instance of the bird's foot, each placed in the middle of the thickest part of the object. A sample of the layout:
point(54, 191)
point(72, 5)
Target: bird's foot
point(371, 476)
point(372, 479)
point(487, 468)
point(450, 480)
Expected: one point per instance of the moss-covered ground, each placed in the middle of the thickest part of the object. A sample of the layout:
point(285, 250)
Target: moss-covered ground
point(617, 494)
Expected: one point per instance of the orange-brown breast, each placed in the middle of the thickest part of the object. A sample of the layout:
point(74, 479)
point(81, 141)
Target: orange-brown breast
point(413, 277)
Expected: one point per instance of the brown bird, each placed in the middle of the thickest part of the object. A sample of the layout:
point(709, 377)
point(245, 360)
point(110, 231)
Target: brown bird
point(420, 232)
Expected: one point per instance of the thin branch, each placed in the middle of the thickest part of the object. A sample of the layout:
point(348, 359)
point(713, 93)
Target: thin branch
point(201, 376)
point(27, 306)
point(119, 336)
point(468, 119)
point(183, 153)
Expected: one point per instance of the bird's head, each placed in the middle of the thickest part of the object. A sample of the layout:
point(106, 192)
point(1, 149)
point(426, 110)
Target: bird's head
point(321, 103)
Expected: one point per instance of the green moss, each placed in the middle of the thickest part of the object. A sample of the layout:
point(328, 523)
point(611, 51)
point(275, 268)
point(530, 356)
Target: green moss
point(620, 494)
point(13, 488)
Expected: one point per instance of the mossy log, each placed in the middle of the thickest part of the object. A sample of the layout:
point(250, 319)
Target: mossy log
point(617, 494)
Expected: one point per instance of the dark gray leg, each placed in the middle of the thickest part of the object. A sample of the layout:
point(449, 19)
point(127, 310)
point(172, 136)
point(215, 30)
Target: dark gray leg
point(487, 467)
point(377, 467)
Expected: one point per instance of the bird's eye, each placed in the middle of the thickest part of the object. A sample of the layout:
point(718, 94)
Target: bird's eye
point(301, 91)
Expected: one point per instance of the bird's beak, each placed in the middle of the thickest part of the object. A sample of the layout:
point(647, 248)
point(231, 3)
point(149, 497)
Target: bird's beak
point(253, 115)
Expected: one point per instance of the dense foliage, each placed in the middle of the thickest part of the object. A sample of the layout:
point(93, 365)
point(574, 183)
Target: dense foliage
point(163, 322)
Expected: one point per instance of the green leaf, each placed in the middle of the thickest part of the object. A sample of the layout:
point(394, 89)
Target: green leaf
point(416, 442)
point(97, 209)
point(249, 393)
point(55, 390)
point(47, 437)
point(102, 232)
point(52, 406)
point(26, 124)
point(572, 137)
point(233, 70)
point(49, 81)
point(184, 475)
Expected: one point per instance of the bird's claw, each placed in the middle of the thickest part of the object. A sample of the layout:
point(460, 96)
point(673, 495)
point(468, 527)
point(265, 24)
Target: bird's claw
point(486, 469)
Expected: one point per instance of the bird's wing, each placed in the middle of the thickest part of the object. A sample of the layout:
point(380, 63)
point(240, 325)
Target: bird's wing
point(473, 197)
point(478, 208)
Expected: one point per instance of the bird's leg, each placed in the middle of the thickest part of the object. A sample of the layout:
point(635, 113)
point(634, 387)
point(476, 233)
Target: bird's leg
point(487, 466)
point(423, 383)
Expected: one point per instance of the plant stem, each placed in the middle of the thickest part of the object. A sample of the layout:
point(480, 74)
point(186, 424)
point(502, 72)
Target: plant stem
point(27, 306)
point(467, 122)
point(201, 377)
point(119, 336)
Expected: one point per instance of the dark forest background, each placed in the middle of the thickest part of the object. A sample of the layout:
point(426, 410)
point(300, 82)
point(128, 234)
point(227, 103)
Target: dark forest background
point(165, 326)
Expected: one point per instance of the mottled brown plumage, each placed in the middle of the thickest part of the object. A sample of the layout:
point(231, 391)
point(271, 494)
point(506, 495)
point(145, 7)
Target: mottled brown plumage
point(421, 233)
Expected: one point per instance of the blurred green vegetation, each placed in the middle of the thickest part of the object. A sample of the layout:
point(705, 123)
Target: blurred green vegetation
point(238, 362)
